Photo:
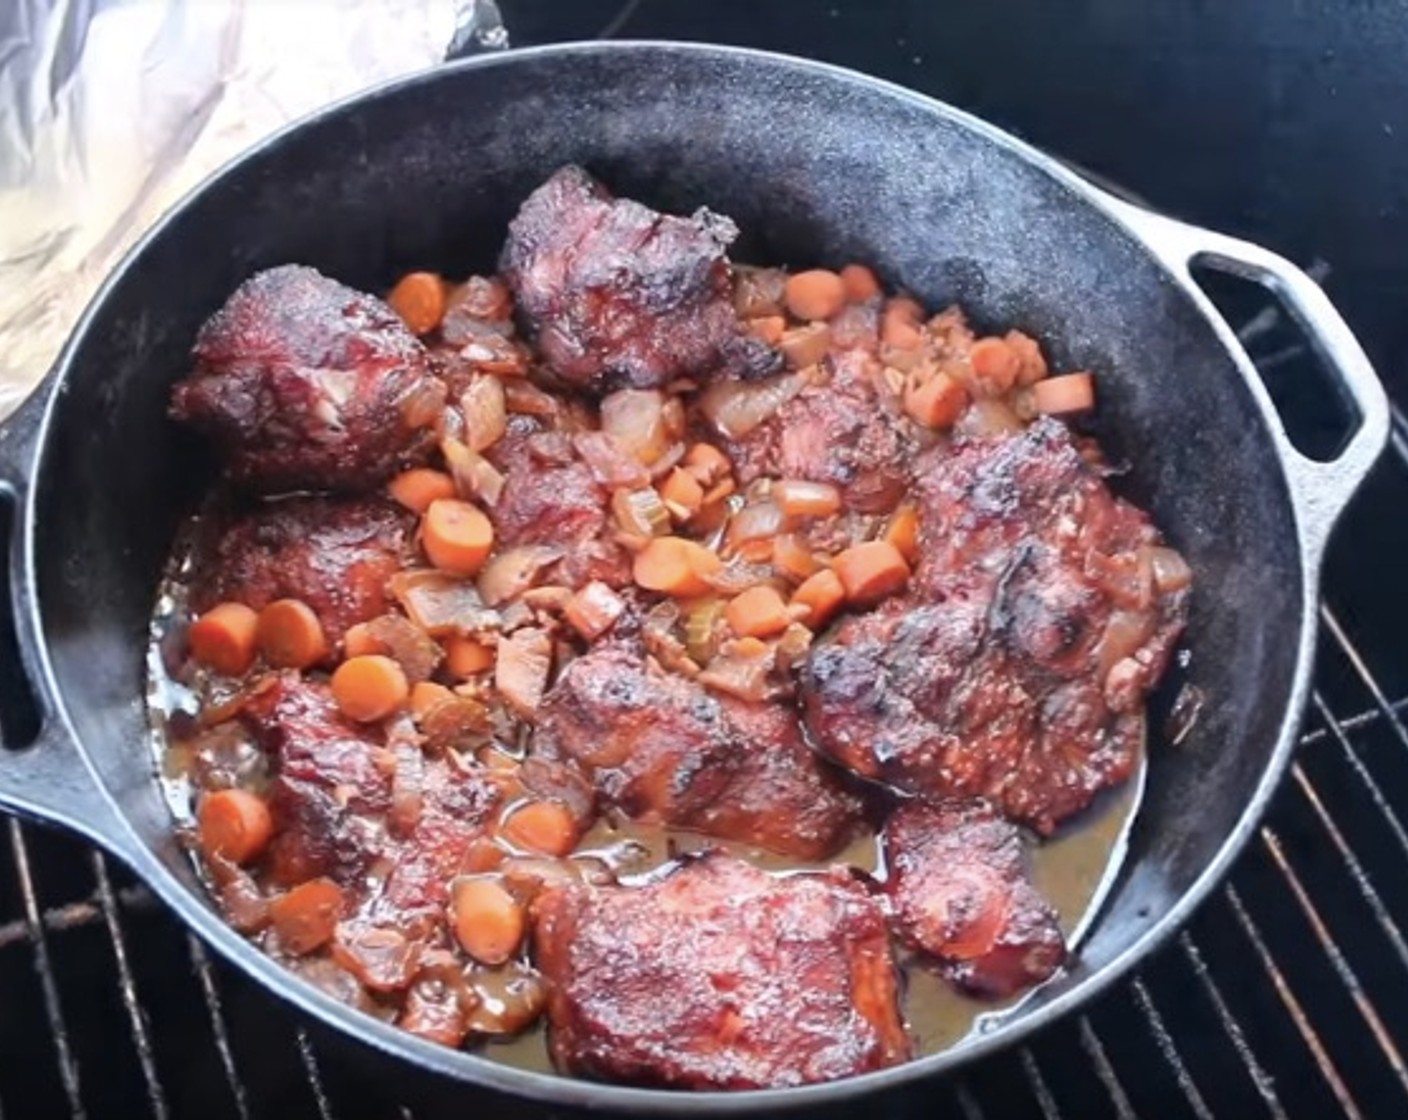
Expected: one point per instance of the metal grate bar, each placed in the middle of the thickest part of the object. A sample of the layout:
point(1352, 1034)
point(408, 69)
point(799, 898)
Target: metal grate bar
point(72, 915)
point(1298, 1017)
point(213, 1005)
point(1362, 772)
point(315, 1076)
point(146, 1057)
point(43, 964)
point(1095, 1051)
point(1356, 869)
point(967, 1103)
point(1356, 721)
point(1332, 951)
point(1170, 1053)
point(1332, 624)
point(1040, 1089)
point(1260, 1078)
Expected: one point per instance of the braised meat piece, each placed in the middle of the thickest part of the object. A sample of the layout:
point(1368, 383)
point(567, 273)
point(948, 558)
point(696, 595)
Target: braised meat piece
point(960, 892)
point(302, 383)
point(1040, 617)
point(619, 294)
point(842, 431)
point(328, 791)
point(719, 976)
point(784, 797)
point(335, 554)
point(655, 745)
point(660, 747)
point(550, 498)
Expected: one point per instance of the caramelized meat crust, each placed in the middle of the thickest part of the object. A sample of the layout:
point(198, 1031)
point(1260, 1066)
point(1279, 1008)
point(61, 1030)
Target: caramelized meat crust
point(1017, 668)
point(619, 294)
point(719, 976)
point(960, 892)
point(661, 748)
point(335, 554)
point(302, 383)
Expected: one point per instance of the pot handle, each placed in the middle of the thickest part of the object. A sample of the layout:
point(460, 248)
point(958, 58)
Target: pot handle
point(46, 776)
point(1321, 490)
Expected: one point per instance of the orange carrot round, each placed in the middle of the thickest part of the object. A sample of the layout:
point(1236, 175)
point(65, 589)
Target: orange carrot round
point(426, 695)
point(369, 688)
point(541, 826)
point(935, 402)
point(359, 640)
point(417, 488)
point(995, 364)
point(488, 922)
point(860, 283)
point(871, 571)
point(464, 656)
point(306, 917)
point(817, 293)
point(902, 531)
point(675, 566)
point(594, 610)
point(822, 595)
point(235, 824)
point(223, 638)
point(792, 558)
point(758, 612)
point(419, 298)
point(682, 494)
point(290, 635)
point(456, 536)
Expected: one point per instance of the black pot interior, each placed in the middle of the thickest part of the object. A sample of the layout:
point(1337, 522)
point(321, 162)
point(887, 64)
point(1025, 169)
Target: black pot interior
point(815, 168)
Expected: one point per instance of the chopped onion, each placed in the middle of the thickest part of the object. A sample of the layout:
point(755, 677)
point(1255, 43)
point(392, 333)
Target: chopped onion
point(759, 521)
point(792, 558)
point(382, 959)
point(525, 397)
point(509, 574)
point(740, 574)
point(987, 417)
point(474, 475)
point(1125, 634)
point(510, 998)
point(485, 412)
point(757, 291)
point(1127, 578)
point(422, 407)
point(442, 604)
point(735, 408)
point(1171, 571)
point(460, 723)
point(409, 645)
point(702, 627)
point(641, 513)
point(521, 671)
point(635, 419)
point(742, 671)
point(791, 649)
point(805, 346)
point(610, 463)
point(658, 632)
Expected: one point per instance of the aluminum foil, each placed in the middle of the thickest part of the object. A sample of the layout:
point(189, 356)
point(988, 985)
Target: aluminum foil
point(111, 110)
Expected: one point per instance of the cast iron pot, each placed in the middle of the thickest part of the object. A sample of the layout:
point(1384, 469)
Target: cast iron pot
point(818, 166)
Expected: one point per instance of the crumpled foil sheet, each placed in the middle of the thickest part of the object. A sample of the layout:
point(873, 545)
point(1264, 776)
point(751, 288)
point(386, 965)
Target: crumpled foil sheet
point(111, 110)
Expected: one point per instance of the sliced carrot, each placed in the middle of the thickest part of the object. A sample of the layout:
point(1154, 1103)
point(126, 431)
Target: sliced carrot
point(871, 571)
point(822, 596)
point(306, 917)
point(902, 531)
point(224, 638)
point(465, 656)
point(798, 498)
point(805, 346)
point(792, 558)
point(593, 610)
point(359, 640)
point(995, 364)
point(860, 283)
point(369, 688)
point(426, 695)
point(817, 293)
point(675, 566)
point(290, 635)
point(456, 536)
point(707, 464)
point(417, 488)
point(936, 401)
point(768, 328)
point(235, 824)
point(758, 612)
point(419, 298)
point(541, 826)
point(1071, 392)
point(899, 324)
point(488, 922)
point(682, 493)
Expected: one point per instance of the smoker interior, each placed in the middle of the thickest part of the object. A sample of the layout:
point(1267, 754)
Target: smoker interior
point(1286, 996)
